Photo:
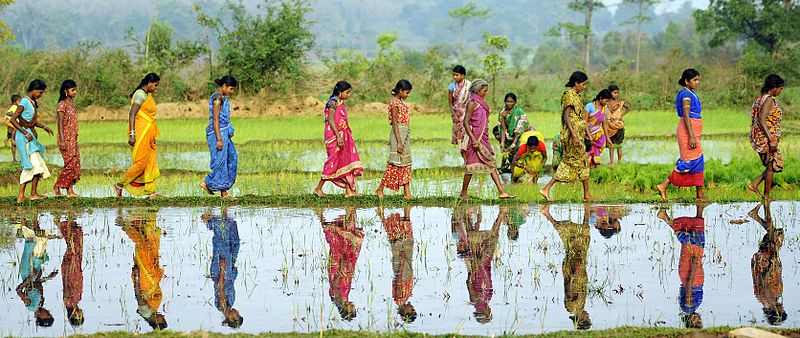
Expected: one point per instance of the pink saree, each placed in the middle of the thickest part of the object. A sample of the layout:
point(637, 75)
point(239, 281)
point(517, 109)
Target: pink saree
point(343, 164)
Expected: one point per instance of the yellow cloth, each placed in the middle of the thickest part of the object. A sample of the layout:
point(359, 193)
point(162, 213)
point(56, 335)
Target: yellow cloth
point(574, 164)
point(533, 160)
point(146, 236)
point(140, 179)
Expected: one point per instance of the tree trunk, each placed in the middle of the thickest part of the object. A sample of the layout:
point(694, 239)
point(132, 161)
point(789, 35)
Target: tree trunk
point(639, 19)
point(587, 33)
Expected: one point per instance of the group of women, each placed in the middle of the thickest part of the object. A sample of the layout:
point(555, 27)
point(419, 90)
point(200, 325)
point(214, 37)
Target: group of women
point(585, 131)
point(140, 178)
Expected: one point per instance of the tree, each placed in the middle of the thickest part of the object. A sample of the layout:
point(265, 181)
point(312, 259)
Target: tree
point(462, 15)
point(642, 6)
point(493, 63)
point(159, 51)
point(208, 23)
point(265, 49)
point(587, 7)
point(772, 24)
point(5, 31)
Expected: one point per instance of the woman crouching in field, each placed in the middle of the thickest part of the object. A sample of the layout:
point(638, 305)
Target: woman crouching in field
point(25, 120)
point(398, 168)
point(219, 134)
point(765, 133)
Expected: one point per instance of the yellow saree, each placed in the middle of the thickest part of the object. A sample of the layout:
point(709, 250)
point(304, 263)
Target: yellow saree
point(140, 179)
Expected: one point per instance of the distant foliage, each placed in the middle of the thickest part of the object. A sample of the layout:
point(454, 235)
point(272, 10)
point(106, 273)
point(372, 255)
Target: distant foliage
point(5, 31)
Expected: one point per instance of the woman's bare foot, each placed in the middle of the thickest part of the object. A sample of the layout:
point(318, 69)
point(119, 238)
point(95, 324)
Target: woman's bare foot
point(205, 187)
point(754, 189)
point(57, 191)
point(464, 196)
point(702, 198)
point(36, 197)
point(545, 194)
point(229, 198)
point(408, 197)
point(506, 196)
point(155, 196)
point(662, 190)
point(21, 199)
point(117, 190)
point(73, 195)
point(662, 214)
point(589, 198)
point(379, 193)
point(319, 193)
point(754, 213)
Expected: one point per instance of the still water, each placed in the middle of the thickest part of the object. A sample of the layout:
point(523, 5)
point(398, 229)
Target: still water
point(474, 269)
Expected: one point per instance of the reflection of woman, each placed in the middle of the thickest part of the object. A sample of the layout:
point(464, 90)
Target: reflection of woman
point(140, 179)
point(690, 232)
point(344, 239)
point(575, 238)
point(31, 266)
point(72, 266)
point(401, 239)
point(768, 269)
point(690, 167)
point(146, 272)
point(480, 248)
point(574, 165)
point(223, 265)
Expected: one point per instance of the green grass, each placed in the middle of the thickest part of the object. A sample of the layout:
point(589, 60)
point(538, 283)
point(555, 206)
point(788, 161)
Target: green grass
point(623, 332)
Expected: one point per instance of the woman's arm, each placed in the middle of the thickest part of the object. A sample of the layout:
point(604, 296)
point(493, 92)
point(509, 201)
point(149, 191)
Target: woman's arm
point(565, 117)
point(396, 130)
point(766, 107)
point(626, 108)
point(217, 107)
point(467, 116)
point(15, 117)
point(60, 122)
point(452, 103)
point(503, 131)
point(132, 123)
point(605, 130)
point(687, 103)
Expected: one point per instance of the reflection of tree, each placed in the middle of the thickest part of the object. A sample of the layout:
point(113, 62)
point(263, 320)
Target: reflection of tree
point(71, 266)
point(401, 239)
point(575, 238)
point(344, 239)
point(223, 269)
point(477, 247)
point(31, 266)
point(146, 273)
point(690, 232)
point(767, 268)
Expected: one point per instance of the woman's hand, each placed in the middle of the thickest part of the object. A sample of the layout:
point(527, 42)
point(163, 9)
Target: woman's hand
point(400, 148)
point(339, 141)
point(476, 145)
point(773, 146)
point(29, 136)
point(219, 144)
point(692, 142)
point(577, 141)
point(48, 130)
point(61, 145)
point(132, 140)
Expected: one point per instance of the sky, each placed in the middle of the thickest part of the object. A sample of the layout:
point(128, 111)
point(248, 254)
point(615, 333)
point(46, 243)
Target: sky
point(669, 5)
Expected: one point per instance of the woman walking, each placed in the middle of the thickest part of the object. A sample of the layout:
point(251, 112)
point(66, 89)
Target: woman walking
point(26, 119)
point(398, 168)
point(343, 164)
point(219, 136)
point(689, 169)
point(765, 133)
point(478, 155)
point(574, 165)
point(140, 179)
point(68, 139)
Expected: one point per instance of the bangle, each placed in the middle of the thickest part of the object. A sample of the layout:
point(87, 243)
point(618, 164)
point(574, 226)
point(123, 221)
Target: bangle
point(132, 133)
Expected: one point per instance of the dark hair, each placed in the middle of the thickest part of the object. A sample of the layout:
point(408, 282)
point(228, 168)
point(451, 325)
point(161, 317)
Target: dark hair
point(603, 94)
point(402, 84)
point(228, 80)
point(15, 98)
point(48, 320)
point(234, 323)
point(148, 79)
point(340, 87)
point(576, 77)
point(687, 75)
point(37, 85)
point(533, 141)
point(613, 87)
point(772, 81)
point(460, 70)
point(607, 233)
point(67, 84)
point(75, 316)
point(511, 95)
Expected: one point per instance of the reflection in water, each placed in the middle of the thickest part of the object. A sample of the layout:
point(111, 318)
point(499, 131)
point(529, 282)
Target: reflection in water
point(515, 216)
point(401, 239)
point(768, 269)
point(223, 272)
point(607, 219)
point(575, 238)
point(31, 266)
point(691, 233)
point(477, 247)
point(71, 265)
point(344, 239)
point(146, 273)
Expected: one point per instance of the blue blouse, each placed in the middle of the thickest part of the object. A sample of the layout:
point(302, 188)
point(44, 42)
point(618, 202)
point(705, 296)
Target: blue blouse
point(694, 107)
point(224, 113)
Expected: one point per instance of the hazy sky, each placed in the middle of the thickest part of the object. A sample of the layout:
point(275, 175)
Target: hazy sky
point(667, 5)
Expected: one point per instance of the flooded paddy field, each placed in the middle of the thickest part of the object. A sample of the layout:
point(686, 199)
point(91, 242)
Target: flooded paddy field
point(483, 270)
